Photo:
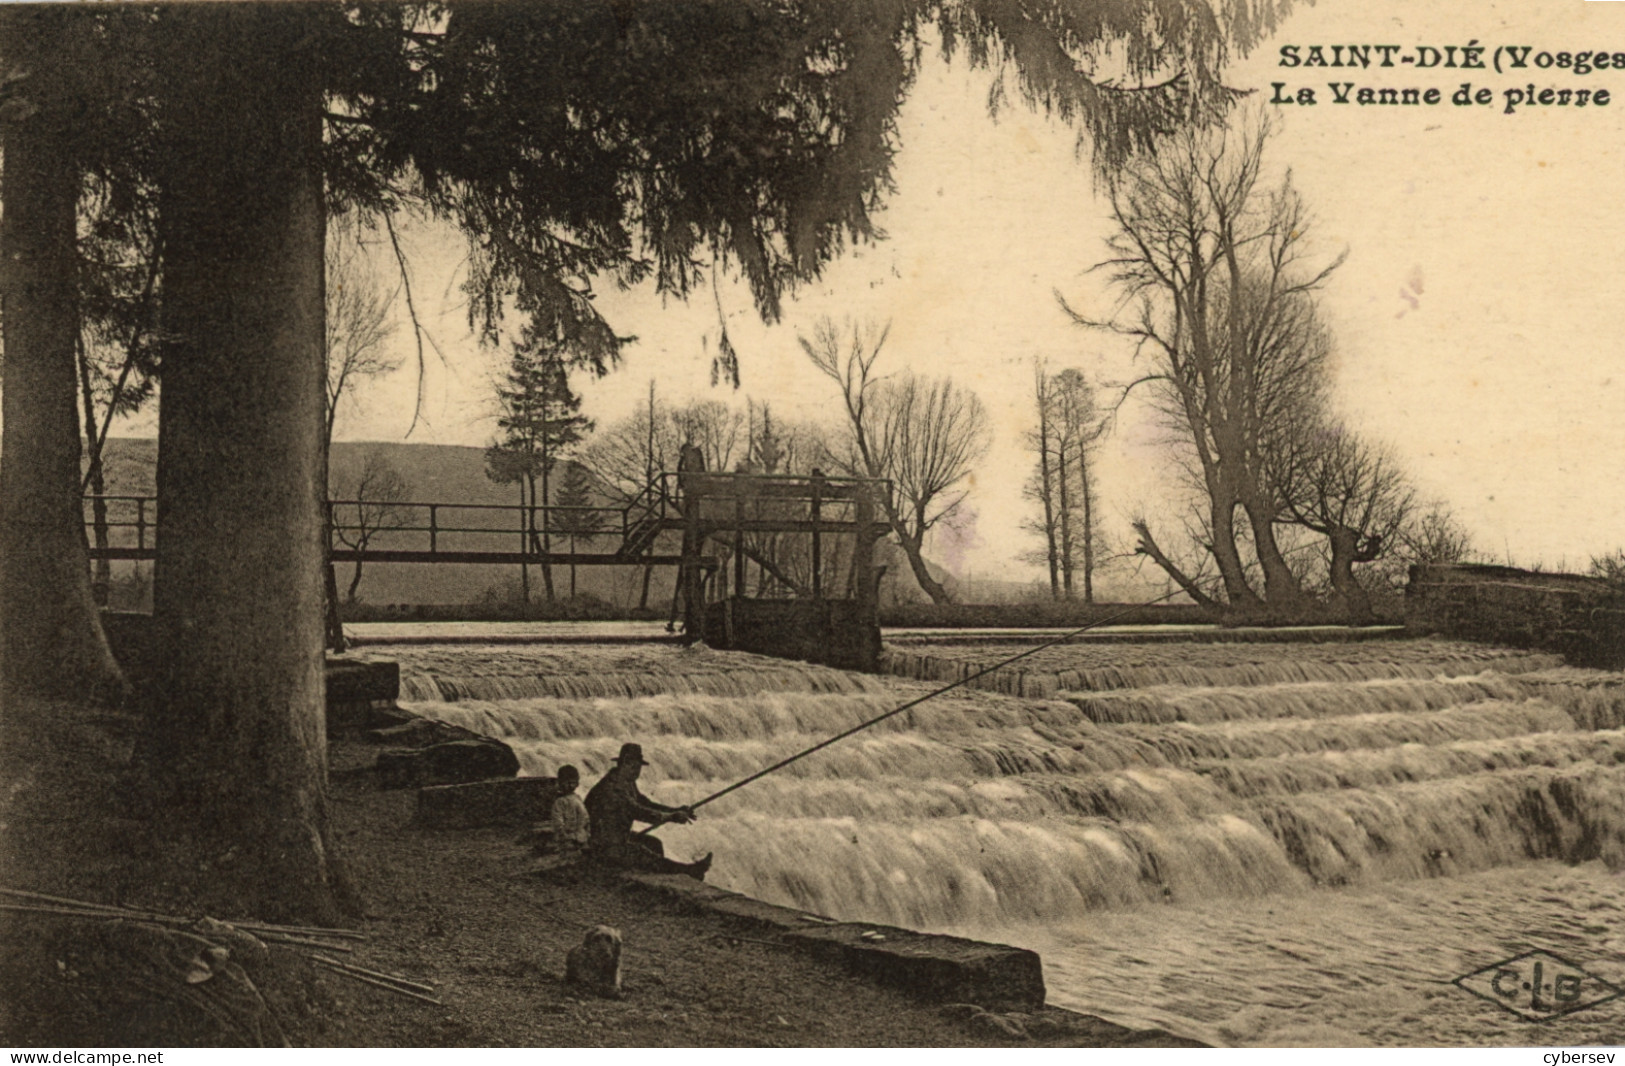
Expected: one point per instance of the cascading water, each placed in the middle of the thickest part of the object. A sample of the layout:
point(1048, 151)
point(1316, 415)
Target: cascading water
point(1132, 779)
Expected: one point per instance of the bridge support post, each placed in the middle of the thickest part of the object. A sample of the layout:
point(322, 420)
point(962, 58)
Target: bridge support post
point(739, 543)
point(691, 579)
point(817, 538)
point(863, 555)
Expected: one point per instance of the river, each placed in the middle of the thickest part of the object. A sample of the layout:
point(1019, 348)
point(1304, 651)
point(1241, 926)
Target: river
point(1245, 843)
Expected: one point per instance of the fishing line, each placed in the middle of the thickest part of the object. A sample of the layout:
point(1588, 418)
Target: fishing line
point(961, 683)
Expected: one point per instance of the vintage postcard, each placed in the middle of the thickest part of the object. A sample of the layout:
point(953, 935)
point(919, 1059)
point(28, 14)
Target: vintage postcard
point(1091, 524)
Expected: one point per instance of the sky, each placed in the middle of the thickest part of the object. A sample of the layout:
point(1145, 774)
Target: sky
point(1476, 321)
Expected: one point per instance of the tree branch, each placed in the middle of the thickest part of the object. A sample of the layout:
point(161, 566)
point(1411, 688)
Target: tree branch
point(412, 310)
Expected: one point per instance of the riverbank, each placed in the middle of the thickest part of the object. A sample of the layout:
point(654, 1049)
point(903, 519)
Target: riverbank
point(462, 911)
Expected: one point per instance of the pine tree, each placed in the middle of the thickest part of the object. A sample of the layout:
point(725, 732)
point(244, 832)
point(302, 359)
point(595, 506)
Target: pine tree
point(540, 419)
point(766, 449)
point(575, 491)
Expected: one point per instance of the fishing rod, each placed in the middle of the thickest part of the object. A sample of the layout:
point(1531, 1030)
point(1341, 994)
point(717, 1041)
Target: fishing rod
point(961, 683)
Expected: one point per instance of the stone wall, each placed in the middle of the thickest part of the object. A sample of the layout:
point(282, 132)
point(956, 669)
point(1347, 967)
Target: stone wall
point(1582, 618)
point(831, 632)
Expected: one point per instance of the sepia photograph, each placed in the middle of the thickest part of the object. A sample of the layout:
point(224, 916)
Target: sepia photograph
point(811, 523)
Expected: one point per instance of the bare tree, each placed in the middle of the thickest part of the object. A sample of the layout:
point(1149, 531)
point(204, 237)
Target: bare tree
point(1190, 581)
point(1349, 491)
point(1040, 487)
point(716, 429)
point(1437, 536)
point(1077, 430)
point(783, 447)
point(626, 457)
point(924, 435)
point(1213, 263)
point(358, 320)
point(1434, 535)
point(375, 507)
point(1063, 484)
point(117, 346)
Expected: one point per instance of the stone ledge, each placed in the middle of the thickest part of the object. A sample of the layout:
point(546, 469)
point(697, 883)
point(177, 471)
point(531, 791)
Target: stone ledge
point(1581, 618)
point(945, 969)
point(362, 680)
point(742, 912)
point(513, 801)
point(455, 762)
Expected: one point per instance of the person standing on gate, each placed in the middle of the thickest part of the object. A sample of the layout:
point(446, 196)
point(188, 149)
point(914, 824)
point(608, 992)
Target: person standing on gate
point(690, 461)
point(615, 803)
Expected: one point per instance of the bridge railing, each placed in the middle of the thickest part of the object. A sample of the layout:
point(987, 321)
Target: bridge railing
point(432, 528)
point(650, 504)
point(780, 486)
point(130, 521)
point(131, 524)
point(436, 528)
point(770, 497)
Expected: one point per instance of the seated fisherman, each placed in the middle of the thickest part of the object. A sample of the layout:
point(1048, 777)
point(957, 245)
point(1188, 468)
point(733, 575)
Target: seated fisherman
point(570, 818)
point(614, 803)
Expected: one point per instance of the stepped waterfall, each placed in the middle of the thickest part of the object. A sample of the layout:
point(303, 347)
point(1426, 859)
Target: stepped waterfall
point(1107, 803)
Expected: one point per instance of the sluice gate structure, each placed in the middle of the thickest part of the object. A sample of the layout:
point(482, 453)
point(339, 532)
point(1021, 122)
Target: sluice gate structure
point(776, 564)
point(795, 574)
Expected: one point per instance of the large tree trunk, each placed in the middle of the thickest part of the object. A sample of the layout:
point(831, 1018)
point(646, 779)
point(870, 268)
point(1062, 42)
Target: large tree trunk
point(1222, 518)
point(1088, 528)
point(1281, 589)
point(1148, 547)
point(922, 574)
point(1347, 593)
point(51, 640)
point(242, 470)
point(1065, 516)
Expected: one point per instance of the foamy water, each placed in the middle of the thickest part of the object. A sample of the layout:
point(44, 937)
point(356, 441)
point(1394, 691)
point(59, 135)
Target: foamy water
point(1364, 966)
point(1238, 842)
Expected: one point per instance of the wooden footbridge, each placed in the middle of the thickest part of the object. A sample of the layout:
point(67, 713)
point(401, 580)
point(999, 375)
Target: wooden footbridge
point(734, 537)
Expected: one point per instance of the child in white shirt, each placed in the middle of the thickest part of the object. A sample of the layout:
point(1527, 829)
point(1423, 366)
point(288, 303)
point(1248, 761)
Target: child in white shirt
point(570, 819)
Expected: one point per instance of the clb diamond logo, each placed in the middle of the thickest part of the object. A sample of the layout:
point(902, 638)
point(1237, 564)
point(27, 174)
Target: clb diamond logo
point(1538, 986)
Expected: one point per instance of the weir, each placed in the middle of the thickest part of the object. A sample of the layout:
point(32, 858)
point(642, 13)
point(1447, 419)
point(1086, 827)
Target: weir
point(1219, 839)
point(1269, 770)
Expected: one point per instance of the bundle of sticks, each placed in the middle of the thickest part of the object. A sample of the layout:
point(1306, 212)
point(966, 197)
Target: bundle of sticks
point(305, 937)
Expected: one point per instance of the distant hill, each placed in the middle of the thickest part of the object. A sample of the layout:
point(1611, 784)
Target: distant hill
point(439, 473)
